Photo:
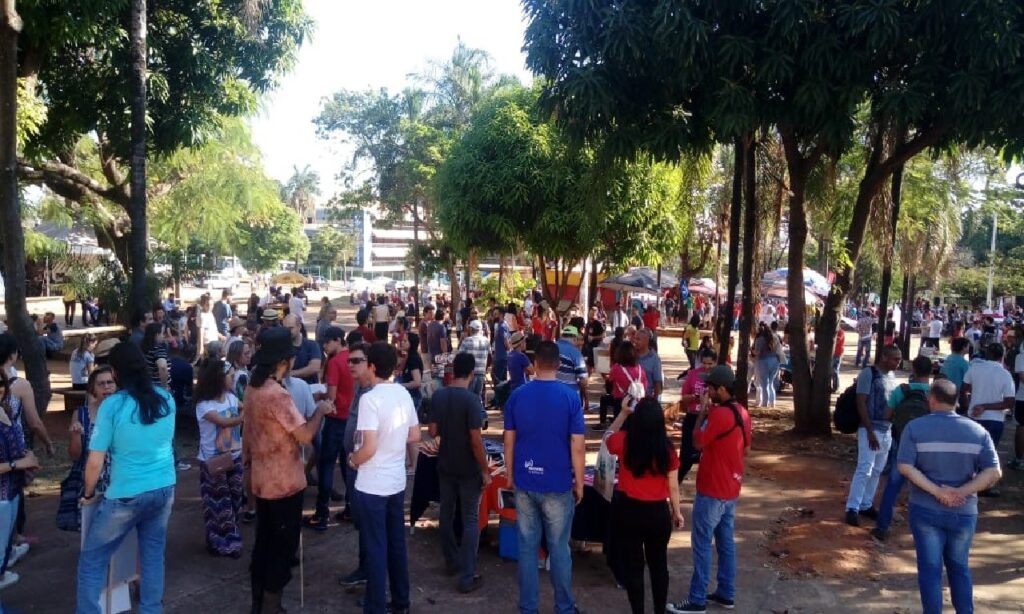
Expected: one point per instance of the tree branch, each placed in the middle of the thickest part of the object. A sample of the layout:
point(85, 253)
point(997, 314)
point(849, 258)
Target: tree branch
point(68, 181)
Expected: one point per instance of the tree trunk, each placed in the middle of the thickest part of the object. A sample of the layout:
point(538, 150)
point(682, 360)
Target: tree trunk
point(12, 234)
point(906, 323)
point(501, 273)
point(807, 419)
point(735, 211)
point(883, 295)
point(749, 248)
point(901, 331)
point(137, 208)
point(416, 260)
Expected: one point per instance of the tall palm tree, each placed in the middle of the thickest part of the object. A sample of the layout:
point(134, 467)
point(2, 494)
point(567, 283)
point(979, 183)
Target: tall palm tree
point(301, 191)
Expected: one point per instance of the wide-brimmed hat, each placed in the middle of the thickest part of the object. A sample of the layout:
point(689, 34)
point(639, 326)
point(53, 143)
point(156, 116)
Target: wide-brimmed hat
point(273, 345)
point(517, 338)
point(235, 322)
point(269, 314)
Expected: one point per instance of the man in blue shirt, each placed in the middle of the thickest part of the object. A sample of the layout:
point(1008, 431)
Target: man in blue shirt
point(544, 455)
point(572, 368)
point(948, 458)
point(499, 368)
point(954, 367)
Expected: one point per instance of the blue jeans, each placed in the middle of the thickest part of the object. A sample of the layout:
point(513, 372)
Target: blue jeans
point(863, 347)
point(942, 537)
point(767, 369)
point(476, 385)
point(382, 529)
point(836, 362)
point(549, 513)
point(712, 518)
point(8, 513)
point(994, 428)
point(332, 447)
point(499, 370)
point(893, 485)
point(870, 465)
point(464, 491)
point(148, 514)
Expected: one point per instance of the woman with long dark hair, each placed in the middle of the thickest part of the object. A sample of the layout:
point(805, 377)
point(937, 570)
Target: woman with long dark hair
point(15, 458)
point(271, 435)
point(766, 365)
point(641, 519)
point(219, 434)
point(82, 360)
point(155, 350)
point(135, 427)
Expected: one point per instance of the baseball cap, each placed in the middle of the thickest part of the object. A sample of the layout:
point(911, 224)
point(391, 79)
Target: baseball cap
point(476, 325)
point(570, 331)
point(721, 375)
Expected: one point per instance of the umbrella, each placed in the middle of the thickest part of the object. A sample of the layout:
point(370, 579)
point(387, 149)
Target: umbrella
point(289, 278)
point(703, 285)
point(639, 279)
point(813, 280)
point(775, 291)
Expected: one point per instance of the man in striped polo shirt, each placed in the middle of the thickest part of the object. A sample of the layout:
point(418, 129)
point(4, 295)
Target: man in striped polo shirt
point(948, 458)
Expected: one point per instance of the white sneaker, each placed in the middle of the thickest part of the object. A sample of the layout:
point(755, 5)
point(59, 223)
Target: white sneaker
point(17, 552)
point(8, 579)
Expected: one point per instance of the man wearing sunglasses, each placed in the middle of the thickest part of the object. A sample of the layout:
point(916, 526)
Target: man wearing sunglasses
point(363, 383)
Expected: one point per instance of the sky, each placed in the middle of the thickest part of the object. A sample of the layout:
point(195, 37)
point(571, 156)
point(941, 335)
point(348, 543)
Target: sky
point(358, 45)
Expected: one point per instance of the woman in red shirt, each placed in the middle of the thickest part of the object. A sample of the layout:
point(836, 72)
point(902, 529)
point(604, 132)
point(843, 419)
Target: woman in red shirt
point(624, 372)
point(641, 520)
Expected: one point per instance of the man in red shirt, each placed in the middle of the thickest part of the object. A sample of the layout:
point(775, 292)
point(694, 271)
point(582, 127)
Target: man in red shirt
point(723, 435)
point(340, 389)
point(368, 335)
point(837, 357)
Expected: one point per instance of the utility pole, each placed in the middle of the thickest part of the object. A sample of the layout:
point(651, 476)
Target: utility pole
point(992, 260)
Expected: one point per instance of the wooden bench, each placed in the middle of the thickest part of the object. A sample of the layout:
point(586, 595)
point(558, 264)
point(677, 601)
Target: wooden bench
point(73, 399)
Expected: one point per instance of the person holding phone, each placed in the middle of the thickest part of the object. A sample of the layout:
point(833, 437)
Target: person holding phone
point(640, 518)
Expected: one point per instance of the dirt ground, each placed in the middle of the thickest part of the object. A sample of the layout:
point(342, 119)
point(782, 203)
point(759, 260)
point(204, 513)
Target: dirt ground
point(794, 552)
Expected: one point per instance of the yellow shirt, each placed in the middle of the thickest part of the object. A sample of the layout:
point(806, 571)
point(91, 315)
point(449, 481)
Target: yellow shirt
point(692, 338)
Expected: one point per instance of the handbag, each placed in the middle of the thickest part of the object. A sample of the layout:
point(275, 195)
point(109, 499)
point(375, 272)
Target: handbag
point(220, 464)
point(604, 471)
point(69, 517)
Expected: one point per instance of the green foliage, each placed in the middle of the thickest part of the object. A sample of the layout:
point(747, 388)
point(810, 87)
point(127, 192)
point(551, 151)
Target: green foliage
point(331, 248)
point(512, 290)
point(205, 61)
point(301, 190)
point(262, 244)
point(209, 193)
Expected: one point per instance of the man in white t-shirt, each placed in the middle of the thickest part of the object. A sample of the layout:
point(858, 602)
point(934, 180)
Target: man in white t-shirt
point(989, 386)
point(387, 432)
point(933, 332)
point(297, 305)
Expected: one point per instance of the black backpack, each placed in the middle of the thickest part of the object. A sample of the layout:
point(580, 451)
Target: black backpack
point(913, 405)
point(845, 417)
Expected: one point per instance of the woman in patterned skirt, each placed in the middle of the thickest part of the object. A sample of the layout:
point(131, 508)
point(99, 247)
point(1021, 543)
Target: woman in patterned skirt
point(220, 465)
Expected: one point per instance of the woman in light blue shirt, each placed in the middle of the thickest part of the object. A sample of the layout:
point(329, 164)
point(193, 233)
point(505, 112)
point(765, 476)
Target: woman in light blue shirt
point(135, 427)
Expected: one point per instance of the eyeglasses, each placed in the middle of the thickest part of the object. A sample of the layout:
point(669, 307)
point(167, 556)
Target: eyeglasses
point(355, 360)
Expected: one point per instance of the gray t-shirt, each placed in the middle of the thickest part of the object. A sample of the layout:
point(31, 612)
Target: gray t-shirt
point(353, 417)
point(949, 450)
point(301, 395)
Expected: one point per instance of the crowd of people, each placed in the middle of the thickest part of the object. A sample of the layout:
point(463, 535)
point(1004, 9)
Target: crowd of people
point(280, 409)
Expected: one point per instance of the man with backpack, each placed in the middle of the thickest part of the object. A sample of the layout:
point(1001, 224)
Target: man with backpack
point(907, 402)
point(874, 436)
point(723, 433)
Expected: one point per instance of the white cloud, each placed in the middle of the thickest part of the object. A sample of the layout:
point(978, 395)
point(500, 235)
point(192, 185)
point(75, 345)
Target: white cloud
point(359, 45)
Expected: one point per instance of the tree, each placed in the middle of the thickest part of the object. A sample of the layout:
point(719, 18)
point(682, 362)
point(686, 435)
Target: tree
point(301, 191)
point(11, 232)
point(74, 56)
point(138, 245)
point(331, 248)
point(263, 244)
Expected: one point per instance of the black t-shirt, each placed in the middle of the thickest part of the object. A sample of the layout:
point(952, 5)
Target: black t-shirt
point(412, 363)
point(456, 411)
point(595, 329)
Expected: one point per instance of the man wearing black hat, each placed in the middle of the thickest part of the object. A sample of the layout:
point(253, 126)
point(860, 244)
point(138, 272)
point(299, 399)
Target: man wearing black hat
point(272, 433)
point(723, 433)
